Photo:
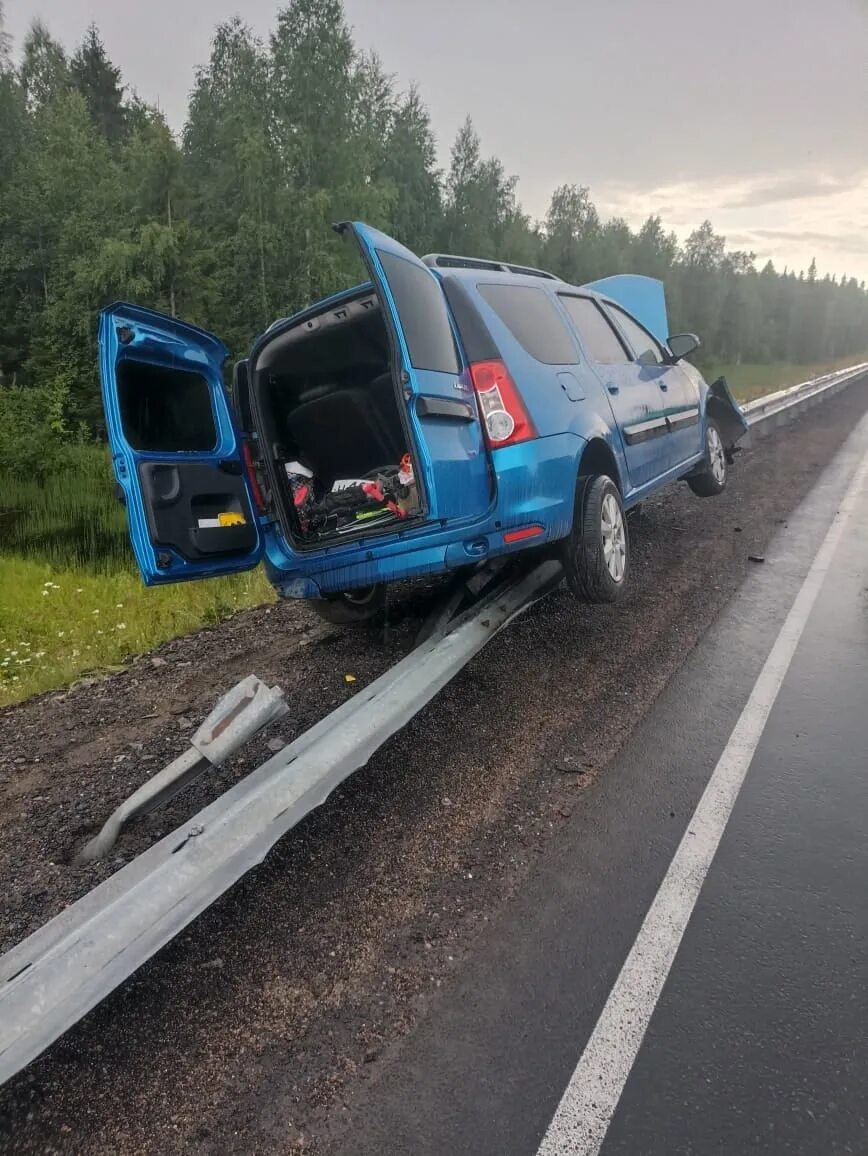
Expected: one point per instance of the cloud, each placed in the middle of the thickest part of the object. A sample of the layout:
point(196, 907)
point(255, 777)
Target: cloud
point(790, 217)
point(846, 242)
point(790, 187)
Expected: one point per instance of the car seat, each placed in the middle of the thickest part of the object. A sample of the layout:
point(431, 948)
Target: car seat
point(338, 433)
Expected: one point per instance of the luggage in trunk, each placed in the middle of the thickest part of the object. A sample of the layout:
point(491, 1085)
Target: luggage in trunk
point(330, 414)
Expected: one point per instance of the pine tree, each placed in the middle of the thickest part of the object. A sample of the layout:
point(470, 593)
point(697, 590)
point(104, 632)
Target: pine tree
point(571, 226)
point(236, 185)
point(98, 81)
point(480, 204)
point(415, 205)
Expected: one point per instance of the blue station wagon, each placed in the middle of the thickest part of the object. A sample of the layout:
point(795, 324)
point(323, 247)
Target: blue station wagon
point(447, 412)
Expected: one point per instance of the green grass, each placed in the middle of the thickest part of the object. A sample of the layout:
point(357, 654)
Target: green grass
point(72, 599)
point(57, 624)
point(750, 381)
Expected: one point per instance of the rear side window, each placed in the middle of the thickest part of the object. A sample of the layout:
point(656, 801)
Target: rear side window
point(532, 318)
point(647, 350)
point(598, 337)
point(165, 410)
point(423, 314)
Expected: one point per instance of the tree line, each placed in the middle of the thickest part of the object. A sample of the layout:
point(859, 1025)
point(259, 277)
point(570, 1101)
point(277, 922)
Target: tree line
point(228, 225)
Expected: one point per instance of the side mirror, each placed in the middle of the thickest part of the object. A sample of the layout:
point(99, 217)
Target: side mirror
point(681, 345)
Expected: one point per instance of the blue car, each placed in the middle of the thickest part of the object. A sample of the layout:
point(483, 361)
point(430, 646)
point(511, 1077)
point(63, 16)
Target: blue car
point(447, 412)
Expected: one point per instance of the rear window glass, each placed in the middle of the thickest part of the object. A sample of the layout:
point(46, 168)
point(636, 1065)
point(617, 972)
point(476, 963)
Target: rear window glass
point(423, 314)
point(647, 351)
point(533, 320)
point(599, 339)
point(166, 410)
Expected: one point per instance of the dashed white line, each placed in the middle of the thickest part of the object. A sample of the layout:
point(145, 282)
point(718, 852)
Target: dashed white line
point(586, 1108)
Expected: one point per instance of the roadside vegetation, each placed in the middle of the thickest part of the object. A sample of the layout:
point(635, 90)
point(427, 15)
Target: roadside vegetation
point(748, 381)
point(72, 600)
point(228, 225)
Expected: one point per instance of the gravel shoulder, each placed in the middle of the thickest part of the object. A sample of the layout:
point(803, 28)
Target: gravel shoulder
point(246, 1033)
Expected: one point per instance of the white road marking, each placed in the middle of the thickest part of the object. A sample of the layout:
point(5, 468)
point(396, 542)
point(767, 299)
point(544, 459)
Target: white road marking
point(583, 1116)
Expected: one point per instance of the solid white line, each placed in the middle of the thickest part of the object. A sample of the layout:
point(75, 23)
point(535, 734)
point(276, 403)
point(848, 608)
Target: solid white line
point(583, 1116)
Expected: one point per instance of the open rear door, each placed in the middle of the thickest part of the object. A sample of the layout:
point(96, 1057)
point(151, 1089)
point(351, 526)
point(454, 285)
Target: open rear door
point(437, 396)
point(175, 452)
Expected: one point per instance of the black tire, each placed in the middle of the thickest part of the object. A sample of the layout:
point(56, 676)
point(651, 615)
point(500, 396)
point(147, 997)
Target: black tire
point(352, 607)
point(597, 564)
point(710, 479)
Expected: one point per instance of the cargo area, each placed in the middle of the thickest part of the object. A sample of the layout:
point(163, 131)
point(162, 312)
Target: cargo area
point(330, 421)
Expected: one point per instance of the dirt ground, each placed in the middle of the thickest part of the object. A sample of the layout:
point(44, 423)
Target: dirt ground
point(245, 1033)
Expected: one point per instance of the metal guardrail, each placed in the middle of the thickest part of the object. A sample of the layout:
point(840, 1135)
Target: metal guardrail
point(55, 976)
point(768, 413)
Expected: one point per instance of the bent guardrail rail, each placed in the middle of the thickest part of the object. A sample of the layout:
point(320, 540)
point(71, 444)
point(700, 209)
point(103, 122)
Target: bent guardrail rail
point(55, 976)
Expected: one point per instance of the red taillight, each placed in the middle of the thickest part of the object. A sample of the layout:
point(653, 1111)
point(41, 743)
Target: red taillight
point(506, 419)
point(250, 469)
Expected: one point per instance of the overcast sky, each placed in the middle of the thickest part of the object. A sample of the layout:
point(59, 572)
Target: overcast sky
point(753, 113)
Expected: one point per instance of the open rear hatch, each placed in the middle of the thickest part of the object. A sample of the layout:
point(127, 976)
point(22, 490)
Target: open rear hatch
point(330, 421)
point(365, 415)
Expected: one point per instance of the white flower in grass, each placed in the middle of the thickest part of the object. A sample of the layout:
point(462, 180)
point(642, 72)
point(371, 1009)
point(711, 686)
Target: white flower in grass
point(94, 612)
point(44, 593)
point(61, 633)
point(119, 606)
point(39, 654)
point(79, 590)
point(14, 653)
point(121, 626)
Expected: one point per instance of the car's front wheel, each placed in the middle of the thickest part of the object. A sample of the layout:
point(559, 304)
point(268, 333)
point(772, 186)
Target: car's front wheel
point(710, 479)
point(352, 607)
point(596, 555)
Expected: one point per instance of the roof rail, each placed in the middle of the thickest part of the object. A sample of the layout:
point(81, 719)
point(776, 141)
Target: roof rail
point(452, 261)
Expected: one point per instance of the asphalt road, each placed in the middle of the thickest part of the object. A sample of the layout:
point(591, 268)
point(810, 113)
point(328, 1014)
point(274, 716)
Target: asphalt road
point(419, 966)
point(758, 1041)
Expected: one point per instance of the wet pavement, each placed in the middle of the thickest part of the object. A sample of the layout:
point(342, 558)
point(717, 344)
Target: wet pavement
point(757, 1043)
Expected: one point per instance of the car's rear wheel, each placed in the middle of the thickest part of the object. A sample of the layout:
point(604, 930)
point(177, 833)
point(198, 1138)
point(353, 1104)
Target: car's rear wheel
point(710, 479)
point(596, 555)
point(352, 607)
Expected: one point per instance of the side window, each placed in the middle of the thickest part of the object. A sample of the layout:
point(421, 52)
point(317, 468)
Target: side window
point(532, 318)
point(165, 410)
point(647, 351)
point(422, 310)
point(599, 339)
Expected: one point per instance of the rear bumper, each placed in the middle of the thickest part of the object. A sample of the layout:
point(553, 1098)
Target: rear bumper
point(535, 490)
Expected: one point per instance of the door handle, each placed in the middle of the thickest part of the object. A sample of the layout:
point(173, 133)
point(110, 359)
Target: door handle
point(613, 389)
point(664, 386)
point(450, 407)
